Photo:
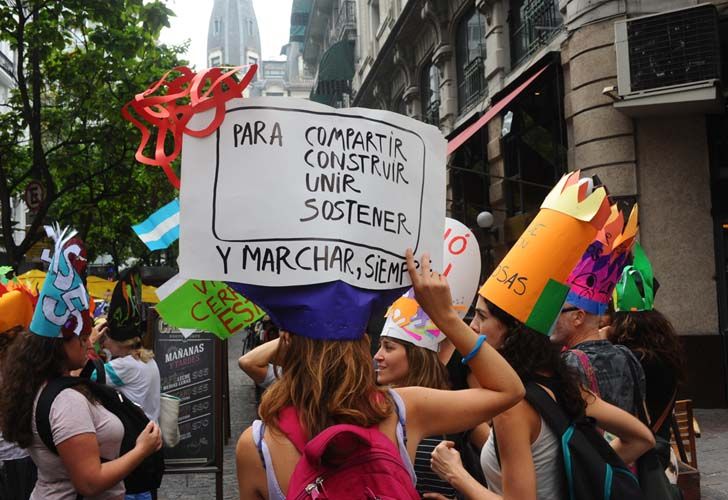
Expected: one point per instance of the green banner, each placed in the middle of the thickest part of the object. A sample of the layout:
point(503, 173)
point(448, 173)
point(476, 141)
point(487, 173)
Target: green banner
point(211, 306)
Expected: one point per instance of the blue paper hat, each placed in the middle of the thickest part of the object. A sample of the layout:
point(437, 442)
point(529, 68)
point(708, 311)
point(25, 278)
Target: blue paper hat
point(63, 302)
point(325, 311)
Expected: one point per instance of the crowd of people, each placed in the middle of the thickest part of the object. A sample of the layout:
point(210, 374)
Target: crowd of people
point(437, 408)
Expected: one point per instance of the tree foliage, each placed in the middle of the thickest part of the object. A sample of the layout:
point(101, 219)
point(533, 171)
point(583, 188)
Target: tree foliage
point(78, 63)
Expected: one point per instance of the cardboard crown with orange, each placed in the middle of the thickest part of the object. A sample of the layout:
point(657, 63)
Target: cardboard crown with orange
point(17, 303)
point(595, 276)
point(530, 282)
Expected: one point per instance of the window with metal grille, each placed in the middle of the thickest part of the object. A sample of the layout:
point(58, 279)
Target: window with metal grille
point(470, 56)
point(532, 24)
point(674, 48)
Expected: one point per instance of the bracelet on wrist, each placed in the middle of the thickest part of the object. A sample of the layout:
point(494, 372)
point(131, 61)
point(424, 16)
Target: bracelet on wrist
point(474, 352)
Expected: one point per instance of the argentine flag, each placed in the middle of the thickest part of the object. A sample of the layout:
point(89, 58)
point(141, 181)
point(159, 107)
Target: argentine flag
point(161, 229)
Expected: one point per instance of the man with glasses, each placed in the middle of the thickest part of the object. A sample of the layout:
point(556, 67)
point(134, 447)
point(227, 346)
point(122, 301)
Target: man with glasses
point(603, 367)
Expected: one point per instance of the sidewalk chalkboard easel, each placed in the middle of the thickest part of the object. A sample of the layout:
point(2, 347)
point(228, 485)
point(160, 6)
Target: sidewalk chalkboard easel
point(192, 369)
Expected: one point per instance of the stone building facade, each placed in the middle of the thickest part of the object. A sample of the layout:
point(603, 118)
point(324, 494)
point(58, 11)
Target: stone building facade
point(665, 146)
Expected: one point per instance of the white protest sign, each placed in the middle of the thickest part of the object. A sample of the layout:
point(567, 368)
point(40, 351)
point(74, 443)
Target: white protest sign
point(462, 264)
point(291, 192)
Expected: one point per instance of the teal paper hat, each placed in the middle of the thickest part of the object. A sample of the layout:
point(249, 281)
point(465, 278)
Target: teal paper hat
point(63, 302)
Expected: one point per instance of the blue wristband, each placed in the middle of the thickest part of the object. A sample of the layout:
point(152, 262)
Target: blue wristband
point(474, 352)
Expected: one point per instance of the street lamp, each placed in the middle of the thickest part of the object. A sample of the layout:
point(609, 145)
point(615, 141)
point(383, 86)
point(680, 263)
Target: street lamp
point(485, 222)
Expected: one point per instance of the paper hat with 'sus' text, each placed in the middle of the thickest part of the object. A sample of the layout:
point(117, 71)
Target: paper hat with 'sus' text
point(530, 282)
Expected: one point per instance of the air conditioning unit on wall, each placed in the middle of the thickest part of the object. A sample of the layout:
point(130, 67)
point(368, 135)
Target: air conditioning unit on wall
point(669, 63)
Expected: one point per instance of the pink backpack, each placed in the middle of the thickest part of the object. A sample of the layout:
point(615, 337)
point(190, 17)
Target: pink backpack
point(345, 461)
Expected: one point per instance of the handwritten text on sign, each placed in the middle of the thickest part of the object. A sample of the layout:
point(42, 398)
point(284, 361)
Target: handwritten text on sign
point(289, 192)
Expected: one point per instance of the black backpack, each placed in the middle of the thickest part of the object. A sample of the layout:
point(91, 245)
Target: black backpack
point(148, 475)
point(593, 469)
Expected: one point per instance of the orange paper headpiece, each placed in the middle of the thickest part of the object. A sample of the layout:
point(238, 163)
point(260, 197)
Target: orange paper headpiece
point(17, 303)
point(529, 283)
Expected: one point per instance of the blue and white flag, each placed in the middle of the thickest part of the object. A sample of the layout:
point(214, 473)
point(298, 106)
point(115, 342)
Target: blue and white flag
point(161, 229)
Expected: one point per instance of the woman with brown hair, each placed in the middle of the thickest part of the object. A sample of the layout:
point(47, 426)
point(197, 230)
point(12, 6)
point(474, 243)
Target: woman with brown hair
point(331, 382)
point(86, 435)
point(637, 325)
point(653, 340)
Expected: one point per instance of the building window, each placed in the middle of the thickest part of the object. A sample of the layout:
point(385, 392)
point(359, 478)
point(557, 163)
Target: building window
point(215, 61)
point(534, 144)
point(252, 60)
point(250, 27)
point(470, 58)
point(532, 24)
point(374, 17)
point(216, 26)
point(430, 92)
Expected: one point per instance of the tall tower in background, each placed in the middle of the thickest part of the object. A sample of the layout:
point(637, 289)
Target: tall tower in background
point(232, 36)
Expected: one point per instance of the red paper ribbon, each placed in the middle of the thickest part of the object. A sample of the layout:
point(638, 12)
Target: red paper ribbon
point(170, 116)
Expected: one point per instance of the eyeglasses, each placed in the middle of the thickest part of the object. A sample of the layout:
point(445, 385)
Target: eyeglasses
point(569, 309)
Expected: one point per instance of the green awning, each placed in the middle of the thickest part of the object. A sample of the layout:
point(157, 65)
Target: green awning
point(335, 72)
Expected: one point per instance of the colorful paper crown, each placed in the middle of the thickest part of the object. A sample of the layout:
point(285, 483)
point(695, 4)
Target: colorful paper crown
point(461, 260)
point(595, 276)
point(63, 302)
point(17, 303)
point(636, 288)
point(125, 314)
point(529, 283)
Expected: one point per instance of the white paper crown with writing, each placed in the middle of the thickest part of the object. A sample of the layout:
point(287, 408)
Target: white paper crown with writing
point(461, 260)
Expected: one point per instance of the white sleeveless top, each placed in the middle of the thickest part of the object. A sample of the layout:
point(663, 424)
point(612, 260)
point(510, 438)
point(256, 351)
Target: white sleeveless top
point(547, 460)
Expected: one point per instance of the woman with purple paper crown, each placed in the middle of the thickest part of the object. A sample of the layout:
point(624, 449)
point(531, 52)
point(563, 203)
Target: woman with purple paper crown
point(327, 382)
point(86, 437)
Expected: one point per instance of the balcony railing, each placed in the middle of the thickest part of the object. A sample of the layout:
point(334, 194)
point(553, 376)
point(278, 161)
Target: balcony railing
point(472, 88)
point(535, 24)
point(432, 114)
point(345, 21)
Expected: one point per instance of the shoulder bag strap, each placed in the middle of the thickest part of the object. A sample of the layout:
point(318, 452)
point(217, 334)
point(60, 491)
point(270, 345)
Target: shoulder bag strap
point(639, 400)
point(588, 370)
point(43, 409)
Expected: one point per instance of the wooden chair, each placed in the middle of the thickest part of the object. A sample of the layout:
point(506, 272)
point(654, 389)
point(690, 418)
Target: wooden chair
point(683, 442)
point(686, 430)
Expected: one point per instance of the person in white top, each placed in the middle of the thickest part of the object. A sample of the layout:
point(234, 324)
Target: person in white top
point(526, 465)
point(132, 368)
point(134, 372)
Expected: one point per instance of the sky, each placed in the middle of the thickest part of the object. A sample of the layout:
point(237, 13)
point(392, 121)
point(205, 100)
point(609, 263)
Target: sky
point(193, 17)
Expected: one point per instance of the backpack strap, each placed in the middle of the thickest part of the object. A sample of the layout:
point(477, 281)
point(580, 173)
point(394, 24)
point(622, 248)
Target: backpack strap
point(549, 410)
point(290, 425)
point(97, 366)
point(588, 370)
point(43, 408)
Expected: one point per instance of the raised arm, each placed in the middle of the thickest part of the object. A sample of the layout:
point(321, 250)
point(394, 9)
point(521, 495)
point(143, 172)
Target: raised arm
point(634, 438)
point(255, 363)
point(442, 411)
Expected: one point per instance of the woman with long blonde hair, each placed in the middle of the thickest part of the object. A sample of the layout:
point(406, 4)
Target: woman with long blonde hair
point(332, 382)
